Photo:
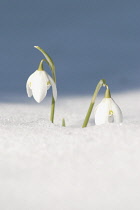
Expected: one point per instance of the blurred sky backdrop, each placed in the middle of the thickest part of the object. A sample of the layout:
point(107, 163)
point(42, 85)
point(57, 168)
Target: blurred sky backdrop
point(87, 39)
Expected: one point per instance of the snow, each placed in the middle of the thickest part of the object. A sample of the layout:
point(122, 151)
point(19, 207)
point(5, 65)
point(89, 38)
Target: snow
point(46, 166)
point(49, 167)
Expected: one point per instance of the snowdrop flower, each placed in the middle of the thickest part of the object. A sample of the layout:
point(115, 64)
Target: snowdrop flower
point(38, 83)
point(108, 111)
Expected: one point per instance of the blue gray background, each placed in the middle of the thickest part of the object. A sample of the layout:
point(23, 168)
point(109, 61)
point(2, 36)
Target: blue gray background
point(87, 39)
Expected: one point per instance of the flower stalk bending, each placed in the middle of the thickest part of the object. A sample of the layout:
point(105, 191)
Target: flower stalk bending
point(101, 83)
point(50, 62)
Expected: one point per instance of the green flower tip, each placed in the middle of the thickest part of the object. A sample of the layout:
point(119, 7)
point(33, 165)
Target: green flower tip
point(107, 93)
point(40, 67)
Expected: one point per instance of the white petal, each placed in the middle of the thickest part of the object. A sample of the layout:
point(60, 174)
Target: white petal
point(54, 89)
point(48, 86)
point(28, 90)
point(39, 85)
point(28, 85)
point(117, 113)
point(102, 111)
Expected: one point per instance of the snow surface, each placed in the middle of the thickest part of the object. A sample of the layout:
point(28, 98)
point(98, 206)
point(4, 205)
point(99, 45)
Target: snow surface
point(45, 166)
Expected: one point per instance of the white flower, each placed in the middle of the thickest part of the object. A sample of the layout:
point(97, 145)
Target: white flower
point(108, 112)
point(38, 83)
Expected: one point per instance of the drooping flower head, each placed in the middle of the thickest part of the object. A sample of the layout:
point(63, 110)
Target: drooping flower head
point(108, 111)
point(38, 83)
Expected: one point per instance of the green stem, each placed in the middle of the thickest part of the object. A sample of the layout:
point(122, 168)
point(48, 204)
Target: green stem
point(52, 110)
point(63, 123)
point(101, 83)
point(50, 62)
